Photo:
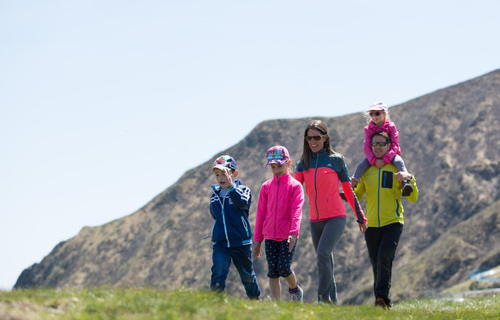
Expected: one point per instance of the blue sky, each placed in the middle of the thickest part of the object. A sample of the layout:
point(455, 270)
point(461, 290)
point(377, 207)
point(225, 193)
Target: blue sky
point(104, 104)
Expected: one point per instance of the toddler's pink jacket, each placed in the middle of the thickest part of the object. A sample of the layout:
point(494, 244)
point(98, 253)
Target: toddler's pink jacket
point(389, 127)
point(279, 211)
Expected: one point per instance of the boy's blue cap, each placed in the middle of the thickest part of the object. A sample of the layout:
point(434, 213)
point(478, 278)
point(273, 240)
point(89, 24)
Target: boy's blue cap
point(224, 162)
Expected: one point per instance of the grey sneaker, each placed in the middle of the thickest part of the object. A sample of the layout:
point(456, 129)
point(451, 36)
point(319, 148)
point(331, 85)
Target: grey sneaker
point(297, 296)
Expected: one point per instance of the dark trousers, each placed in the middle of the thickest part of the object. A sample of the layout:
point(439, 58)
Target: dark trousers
point(382, 244)
point(242, 259)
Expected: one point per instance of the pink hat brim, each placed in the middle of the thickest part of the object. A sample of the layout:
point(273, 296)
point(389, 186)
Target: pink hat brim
point(276, 161)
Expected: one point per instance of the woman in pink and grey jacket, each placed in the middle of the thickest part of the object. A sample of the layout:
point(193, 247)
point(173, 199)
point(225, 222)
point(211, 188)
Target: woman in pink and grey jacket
point(322, 170)
point(279, 213)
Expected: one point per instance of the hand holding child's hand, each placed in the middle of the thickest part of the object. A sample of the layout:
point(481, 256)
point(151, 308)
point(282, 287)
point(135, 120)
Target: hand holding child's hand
point(402, 176)
point(256, 250)
point(354, 181)
point(363, 227)
point(291, 242)
point(379, 163)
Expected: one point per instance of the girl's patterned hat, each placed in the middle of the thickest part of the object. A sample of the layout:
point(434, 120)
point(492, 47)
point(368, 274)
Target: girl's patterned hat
point(378, 106)
point(277, 154)
point(224, 162)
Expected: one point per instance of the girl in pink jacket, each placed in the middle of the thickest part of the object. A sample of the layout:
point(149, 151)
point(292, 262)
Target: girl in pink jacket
point(379, 121)
point(279, 213)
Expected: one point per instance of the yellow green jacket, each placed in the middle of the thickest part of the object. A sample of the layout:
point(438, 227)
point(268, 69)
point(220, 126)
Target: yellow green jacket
point(383, 195)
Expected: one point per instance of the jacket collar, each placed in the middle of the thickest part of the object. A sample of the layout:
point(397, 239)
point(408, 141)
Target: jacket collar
point(320, 152)
point(216, 187)
point(284, 178)
point(384, 124)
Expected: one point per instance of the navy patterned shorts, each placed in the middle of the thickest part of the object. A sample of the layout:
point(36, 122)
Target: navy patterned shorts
point(279, 260)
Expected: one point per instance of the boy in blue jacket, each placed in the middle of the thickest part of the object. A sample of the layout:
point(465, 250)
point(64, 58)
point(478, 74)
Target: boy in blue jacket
point(231, 234)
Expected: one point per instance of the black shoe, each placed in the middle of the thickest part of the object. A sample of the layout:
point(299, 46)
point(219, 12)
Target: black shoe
point(407, 189)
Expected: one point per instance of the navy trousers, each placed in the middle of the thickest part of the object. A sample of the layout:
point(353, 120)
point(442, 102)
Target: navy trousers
point(242, 259)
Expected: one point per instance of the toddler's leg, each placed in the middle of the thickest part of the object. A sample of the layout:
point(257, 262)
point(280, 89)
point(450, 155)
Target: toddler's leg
point(360, 169)
point(406, 187)
point(399, 163)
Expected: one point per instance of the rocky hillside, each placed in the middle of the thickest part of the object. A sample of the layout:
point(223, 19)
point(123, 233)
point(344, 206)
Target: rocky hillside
point(450, 141)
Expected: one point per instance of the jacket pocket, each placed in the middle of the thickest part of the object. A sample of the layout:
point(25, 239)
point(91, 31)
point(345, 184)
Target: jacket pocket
point(387, 178)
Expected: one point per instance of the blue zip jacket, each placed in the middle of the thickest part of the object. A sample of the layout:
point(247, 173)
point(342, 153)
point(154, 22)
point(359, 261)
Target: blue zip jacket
point(231, 227)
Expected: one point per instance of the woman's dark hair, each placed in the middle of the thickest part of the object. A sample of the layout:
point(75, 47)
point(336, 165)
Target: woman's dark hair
point(320, 126)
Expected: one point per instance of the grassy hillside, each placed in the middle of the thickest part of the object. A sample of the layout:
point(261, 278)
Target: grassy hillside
point(450, 141)
point(147, 303)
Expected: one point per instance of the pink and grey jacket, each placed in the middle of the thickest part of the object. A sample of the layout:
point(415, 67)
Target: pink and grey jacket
point(389, 127)
point(279, 211)
point(322, 187)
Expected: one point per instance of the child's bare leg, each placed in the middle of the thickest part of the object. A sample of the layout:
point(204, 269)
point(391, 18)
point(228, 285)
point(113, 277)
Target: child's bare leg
point(275, 286)
point(291, 280)
point(296, 292)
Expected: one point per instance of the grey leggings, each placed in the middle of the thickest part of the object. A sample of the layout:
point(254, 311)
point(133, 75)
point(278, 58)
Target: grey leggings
point(325, 236)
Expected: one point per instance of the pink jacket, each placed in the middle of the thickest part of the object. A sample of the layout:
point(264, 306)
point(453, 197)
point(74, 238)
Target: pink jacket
point(279, 210)
point(389, 127)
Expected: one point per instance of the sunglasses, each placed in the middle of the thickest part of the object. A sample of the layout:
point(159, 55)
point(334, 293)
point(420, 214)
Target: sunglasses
point(380, 144)
point(376, 113)
point(316, 138)
point(275, 156)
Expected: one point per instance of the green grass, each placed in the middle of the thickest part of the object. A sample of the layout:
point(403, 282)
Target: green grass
point(148, 303)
